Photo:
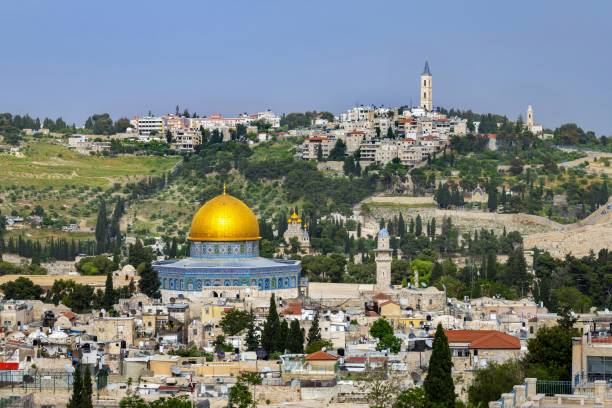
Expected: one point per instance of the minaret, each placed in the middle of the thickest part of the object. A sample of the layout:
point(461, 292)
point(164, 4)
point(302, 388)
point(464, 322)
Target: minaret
point(426, 101)
point(529, 117)
point(383, 262)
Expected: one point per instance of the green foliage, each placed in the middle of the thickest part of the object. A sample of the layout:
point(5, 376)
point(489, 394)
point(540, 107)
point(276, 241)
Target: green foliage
point(324, 268)
point(191, 352)
point(87, 389)
point(76, 398)
point(492, 381)
point(382, 330)
point(21, 289)
point(271, 335)
point(240, 397)
point(318, 345)
point(234, 321)
point(412, 398)
point(95, 265)
point(314, 332)
point(549, 354)
point(295, 338)
point(438, 385)
point(149, 281)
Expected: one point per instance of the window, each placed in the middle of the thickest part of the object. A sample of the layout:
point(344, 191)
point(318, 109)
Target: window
point(424, 82)
point(424, 94)
point(599, 368)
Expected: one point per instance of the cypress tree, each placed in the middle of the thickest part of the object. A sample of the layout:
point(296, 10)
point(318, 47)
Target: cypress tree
point(101, 228)
point(418, 227)
point(251, 339)
point(314, 333)
point(271, 329)
point(295, 340)
point(87, 391)
point(76, 399)
point(432, 228)
point(283, 336)
point(109, 293)
point(438, 385)
point(149, 281)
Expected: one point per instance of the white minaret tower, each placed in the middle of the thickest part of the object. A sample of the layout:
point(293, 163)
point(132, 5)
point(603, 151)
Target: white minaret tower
point(383, 262)
point(426, 101)
point(530, 121)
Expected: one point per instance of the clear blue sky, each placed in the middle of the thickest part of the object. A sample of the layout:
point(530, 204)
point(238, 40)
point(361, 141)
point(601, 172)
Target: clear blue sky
point(74, 58)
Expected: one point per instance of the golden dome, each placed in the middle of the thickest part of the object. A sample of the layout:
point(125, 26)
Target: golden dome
point(294, 218)
point(224, 218)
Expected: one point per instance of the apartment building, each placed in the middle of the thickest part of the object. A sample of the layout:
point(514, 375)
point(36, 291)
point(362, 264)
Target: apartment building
point(150, 127)
point(186, 140)
point(311, 146)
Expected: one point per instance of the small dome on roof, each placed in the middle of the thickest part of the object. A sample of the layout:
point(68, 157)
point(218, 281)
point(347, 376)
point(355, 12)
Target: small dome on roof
point(383, 233)
point(128, 269)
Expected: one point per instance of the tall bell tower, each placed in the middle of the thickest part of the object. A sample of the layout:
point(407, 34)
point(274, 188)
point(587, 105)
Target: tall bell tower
point(426, 100)
point(383, 262)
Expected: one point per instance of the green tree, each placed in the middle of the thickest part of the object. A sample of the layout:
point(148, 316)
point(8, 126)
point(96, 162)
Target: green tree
point(251, 338)
point(549, 355)
point(133, 401)
point(21, 289)
point(234, 321)
point(381, 329)
point(492, 381)
point(418, 226)
point(149, 281)
point(271, 330)
point(101, 228)
point(338, 152)
point(295, 339)
point(314, 332)
point(439, 386)
point(76, 398)
point(412, 398)
point(109, 292)
point(240, 396)
point(87, 390)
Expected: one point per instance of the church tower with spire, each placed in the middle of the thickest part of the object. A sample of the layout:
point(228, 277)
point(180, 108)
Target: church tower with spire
point(426, 100)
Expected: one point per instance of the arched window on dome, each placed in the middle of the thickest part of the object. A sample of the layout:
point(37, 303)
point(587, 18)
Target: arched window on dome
point(267, 284)
point(293, 282)
point(176, 284)
point(227, 283)
point(287, 282)
point(199, 284)
point(261, 284)
point(207, 283)
point(189, 284)
point(273, 283)
point(280, 283)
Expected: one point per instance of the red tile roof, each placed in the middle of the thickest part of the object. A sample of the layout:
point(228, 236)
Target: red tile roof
point(484, 339)
point(293, 308)
point(320, 356)
point(381, 296)
point(69, 315)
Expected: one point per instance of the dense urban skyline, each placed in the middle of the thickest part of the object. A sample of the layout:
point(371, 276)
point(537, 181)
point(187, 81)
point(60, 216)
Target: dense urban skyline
point(74, 59)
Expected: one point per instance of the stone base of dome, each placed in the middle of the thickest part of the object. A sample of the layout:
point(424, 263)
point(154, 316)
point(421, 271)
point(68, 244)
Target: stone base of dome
point(228, 292)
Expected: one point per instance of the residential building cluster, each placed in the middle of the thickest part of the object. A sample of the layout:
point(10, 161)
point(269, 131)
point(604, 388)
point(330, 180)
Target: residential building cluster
point(380, 135)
